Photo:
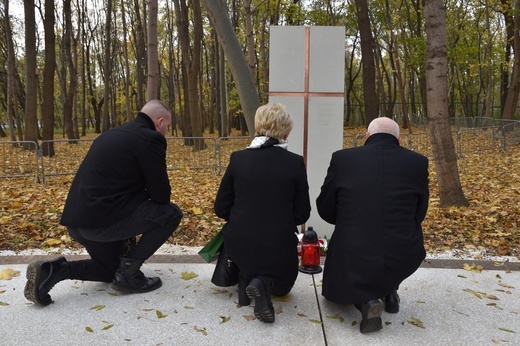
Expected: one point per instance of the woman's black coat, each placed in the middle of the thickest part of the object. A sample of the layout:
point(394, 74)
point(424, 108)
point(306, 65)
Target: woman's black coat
point(264, 196)
point(377, 197)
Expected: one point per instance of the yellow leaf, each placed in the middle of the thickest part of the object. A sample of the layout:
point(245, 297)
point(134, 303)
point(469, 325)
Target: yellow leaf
point(196, 210)
point(97, 307)
point(8, 274)
point(88, 329)
point(3, 304)
point(188, 275)
point(282, 299)
point(225, 319)
point(52, 242)
point(416, 322)
point(108, 327)
point(160, 314)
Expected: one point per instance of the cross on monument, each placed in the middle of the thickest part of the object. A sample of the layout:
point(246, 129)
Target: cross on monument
point(306, 74)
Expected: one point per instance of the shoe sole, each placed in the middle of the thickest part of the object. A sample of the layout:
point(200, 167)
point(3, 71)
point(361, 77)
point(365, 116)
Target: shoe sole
point(262, 311)
point(372, 322)
point(33, 275)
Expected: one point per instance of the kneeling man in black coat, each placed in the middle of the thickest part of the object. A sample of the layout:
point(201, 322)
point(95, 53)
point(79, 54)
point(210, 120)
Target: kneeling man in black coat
point(121, 192)
point(377, 197)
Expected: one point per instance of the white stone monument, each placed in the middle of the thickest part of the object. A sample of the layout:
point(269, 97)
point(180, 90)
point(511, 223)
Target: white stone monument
point(306, 74)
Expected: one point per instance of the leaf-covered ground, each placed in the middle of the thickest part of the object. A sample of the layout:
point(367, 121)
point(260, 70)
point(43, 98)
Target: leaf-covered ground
point(30, 212)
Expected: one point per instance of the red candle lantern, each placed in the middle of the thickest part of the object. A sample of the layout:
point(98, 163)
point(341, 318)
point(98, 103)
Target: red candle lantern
point(310, 253)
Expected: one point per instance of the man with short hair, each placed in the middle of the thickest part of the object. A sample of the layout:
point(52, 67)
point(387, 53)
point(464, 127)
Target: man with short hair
point(377, 197)
point(121, 190)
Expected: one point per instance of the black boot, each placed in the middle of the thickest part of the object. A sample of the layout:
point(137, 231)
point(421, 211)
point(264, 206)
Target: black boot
point(370, 316)
point(392, 302)
point(259, 288)
point(41, 278)
point(243, 299)
point(129, 279)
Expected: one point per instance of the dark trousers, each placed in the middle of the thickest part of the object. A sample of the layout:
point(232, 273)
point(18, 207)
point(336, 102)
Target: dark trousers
point(154, 222)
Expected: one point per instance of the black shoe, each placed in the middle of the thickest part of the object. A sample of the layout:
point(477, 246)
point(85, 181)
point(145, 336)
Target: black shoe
point(371, 316)
point(260, 290)
point(392, 302)
point(41, 278)
point(243, 299)
point(129, 279)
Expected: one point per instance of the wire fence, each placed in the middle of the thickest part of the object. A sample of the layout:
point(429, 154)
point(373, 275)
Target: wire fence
point(25, 158)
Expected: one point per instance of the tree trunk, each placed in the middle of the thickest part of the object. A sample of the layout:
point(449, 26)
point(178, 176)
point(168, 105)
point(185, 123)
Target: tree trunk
point(247, 93)
point(70, 91)
point(127, 64)
point(11, 70)
point(511, 100)
point(368, 61)
point(48, 78)
point(450, 190)
point(105, 119)
point(152, 85)
point(31, 71)
point(251, 56)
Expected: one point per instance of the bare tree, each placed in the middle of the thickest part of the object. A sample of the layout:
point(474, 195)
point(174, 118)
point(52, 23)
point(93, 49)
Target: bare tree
point(69, 69)
point(127, 63)
point(107, 67)
point(31, 73)
point(450, 190)
point(368, 61)
point(249, 99)
point(152, 85)
point(511, 100)
point(48, 78)
point(11, 70)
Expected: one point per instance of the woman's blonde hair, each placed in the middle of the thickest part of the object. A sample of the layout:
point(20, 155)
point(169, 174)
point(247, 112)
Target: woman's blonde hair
point(273, 120)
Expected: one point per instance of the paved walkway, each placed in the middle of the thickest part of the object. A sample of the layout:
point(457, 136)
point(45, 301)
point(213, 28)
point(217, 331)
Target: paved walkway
point(439, 306)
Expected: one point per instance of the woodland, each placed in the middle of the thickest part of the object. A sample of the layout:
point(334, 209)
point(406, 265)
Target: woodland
point(76, 68)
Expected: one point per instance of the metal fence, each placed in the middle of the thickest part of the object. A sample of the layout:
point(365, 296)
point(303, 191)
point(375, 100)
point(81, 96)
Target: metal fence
point(25, 159)
point(19, 159)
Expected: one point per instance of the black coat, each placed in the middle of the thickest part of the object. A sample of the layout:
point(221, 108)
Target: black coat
point(264, 196)
point(123, 167)
point(377, 197)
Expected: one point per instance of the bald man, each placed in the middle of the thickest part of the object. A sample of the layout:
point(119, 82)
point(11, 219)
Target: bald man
point(377, 197)
point(121, 190)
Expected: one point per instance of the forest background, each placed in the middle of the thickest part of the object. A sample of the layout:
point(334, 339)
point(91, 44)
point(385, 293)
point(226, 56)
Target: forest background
point(96, 63)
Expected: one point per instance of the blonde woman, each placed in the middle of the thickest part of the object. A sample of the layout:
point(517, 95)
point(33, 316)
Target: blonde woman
point(264, 196)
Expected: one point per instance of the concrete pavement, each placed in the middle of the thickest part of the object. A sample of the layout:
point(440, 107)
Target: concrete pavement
point(440, 305)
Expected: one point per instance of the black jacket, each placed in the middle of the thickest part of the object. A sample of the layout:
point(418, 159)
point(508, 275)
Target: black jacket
point(377, 197)
point(264, 196)
point(124, 167)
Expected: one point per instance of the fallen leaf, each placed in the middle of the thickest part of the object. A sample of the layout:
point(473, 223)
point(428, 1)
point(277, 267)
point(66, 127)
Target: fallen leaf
point(4, 304)
point(108, 326)
point(188, 275)
point(282, 299)
point(8, 274)
point(416, 322)
point(160, 314)
point(88, 329)
point(203, 331)
point(316, 321)
point(188, 307)
point(338, 317)
point(97, 307)
point(53, 242)
point(481, 295)
point(302, 315)
point(249, 317)
point(507, 330)
point(224, 319)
